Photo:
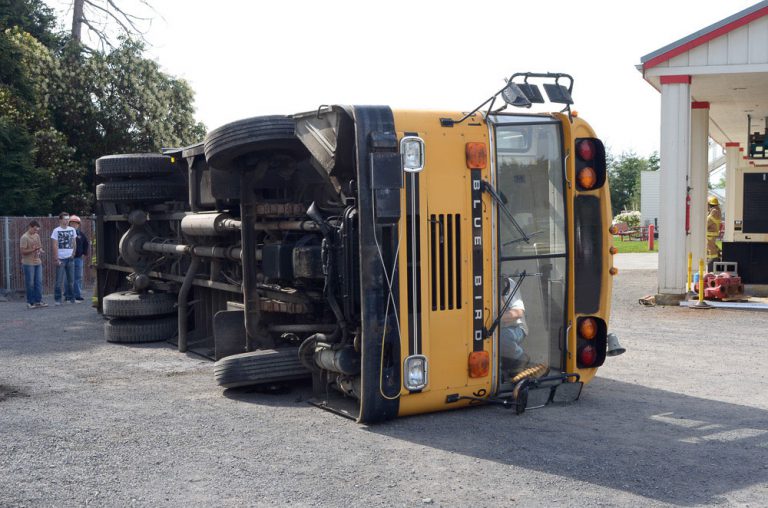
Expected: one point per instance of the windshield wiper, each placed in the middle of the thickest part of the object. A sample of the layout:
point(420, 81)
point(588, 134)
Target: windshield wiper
point(487, 187)
point(522, 275)
point(521, 239)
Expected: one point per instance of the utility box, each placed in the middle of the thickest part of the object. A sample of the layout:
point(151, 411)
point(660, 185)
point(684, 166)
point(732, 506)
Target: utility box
point(747, 230)
point(750, 217)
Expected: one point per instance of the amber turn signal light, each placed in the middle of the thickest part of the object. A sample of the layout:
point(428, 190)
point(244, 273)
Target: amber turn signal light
point(587, 177)
point(613, 270)
point(613, 250)
point(588, 328)
point(479, 363)
point(614, 230)
point(477, 155)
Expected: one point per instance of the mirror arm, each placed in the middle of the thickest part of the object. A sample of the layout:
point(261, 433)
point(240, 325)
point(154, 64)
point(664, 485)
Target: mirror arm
point(448, 122)
point(506, 403)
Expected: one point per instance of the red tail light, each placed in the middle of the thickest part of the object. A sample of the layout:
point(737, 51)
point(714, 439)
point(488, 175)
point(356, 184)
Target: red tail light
point(591, 342)
point(586, 150)
point(590, 164)
point(587, 356)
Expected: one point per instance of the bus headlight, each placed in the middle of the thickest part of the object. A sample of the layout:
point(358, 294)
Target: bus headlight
point(415, 372)
point(412, 153)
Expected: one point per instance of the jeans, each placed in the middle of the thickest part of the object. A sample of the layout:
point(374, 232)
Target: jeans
point(33, 283)
point(509, 341)
point(65, 270)
point(78, 285)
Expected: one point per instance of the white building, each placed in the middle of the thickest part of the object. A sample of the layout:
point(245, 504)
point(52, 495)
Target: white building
point(709, 82)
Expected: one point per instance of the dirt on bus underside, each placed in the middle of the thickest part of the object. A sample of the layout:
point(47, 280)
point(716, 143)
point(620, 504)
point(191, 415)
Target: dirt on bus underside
point(681, 418)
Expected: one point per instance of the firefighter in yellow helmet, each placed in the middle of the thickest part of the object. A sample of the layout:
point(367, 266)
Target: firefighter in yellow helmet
point(714, 218)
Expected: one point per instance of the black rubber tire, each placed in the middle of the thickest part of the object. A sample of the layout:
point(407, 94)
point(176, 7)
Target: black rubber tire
point(261, 367)
point(226, 146)
point(128, 304)
point(140, 191)
point(138, 331)
point(134, 165)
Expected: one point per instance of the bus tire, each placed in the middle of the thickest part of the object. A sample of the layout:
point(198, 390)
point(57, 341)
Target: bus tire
point(128, 304)
point(263, 367)
point(139, 331)
point(140, 191)
point(141, 165)
point(227, 146)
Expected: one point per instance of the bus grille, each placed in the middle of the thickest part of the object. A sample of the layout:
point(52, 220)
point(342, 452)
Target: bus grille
point(445, 252)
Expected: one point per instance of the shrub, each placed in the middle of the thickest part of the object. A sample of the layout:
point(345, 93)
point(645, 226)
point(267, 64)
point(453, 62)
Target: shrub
point(630, 218)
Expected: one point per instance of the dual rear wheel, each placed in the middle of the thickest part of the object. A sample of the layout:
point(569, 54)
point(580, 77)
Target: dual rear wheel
point(136, 318)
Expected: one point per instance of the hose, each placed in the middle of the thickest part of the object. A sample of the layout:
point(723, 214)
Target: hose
point(535, 371)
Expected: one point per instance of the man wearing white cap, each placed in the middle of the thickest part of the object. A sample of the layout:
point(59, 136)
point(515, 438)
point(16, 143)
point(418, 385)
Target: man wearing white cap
point(81, 251)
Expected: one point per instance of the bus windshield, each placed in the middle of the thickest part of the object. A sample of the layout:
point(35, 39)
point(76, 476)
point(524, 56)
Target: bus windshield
point(530, 181)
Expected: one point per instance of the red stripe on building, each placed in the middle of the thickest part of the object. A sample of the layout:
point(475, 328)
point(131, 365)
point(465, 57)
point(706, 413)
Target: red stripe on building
point(714, 34)
point(676, 80)
point(699, 105)
point(732, 144)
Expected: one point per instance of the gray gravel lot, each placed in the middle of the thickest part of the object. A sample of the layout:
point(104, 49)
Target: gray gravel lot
point(680, 419)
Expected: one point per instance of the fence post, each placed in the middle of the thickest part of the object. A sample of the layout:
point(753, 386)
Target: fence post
point(7, 251)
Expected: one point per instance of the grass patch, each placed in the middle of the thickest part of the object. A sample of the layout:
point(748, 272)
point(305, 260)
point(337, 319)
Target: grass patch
point(634, 246)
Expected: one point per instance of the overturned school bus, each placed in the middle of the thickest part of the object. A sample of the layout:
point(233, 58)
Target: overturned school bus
point(404, 261)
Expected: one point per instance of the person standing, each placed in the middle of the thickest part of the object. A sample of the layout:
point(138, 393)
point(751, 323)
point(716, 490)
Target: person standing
point(82, 245)
point(714, 218)
point(63, 238)
point(31, 251)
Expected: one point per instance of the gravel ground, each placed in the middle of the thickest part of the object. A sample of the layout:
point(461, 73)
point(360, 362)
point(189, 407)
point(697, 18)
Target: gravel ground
point(680, 419)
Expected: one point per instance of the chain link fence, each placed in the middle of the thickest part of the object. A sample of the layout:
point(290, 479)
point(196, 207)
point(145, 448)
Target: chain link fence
point(11, 273)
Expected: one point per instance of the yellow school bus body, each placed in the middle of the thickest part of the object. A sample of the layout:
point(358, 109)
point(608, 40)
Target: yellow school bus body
point(446, 335)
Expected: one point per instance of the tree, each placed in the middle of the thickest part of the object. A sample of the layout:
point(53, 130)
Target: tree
point(61, 108)
point(33, 17)
point(654, 162)
point(19, 178)
point(99, 16)
point(624, 180)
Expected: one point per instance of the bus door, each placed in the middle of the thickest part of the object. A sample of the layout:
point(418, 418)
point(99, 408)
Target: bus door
point(531, 245)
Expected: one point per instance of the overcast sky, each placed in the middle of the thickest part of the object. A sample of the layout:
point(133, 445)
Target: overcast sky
point(247, 58)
